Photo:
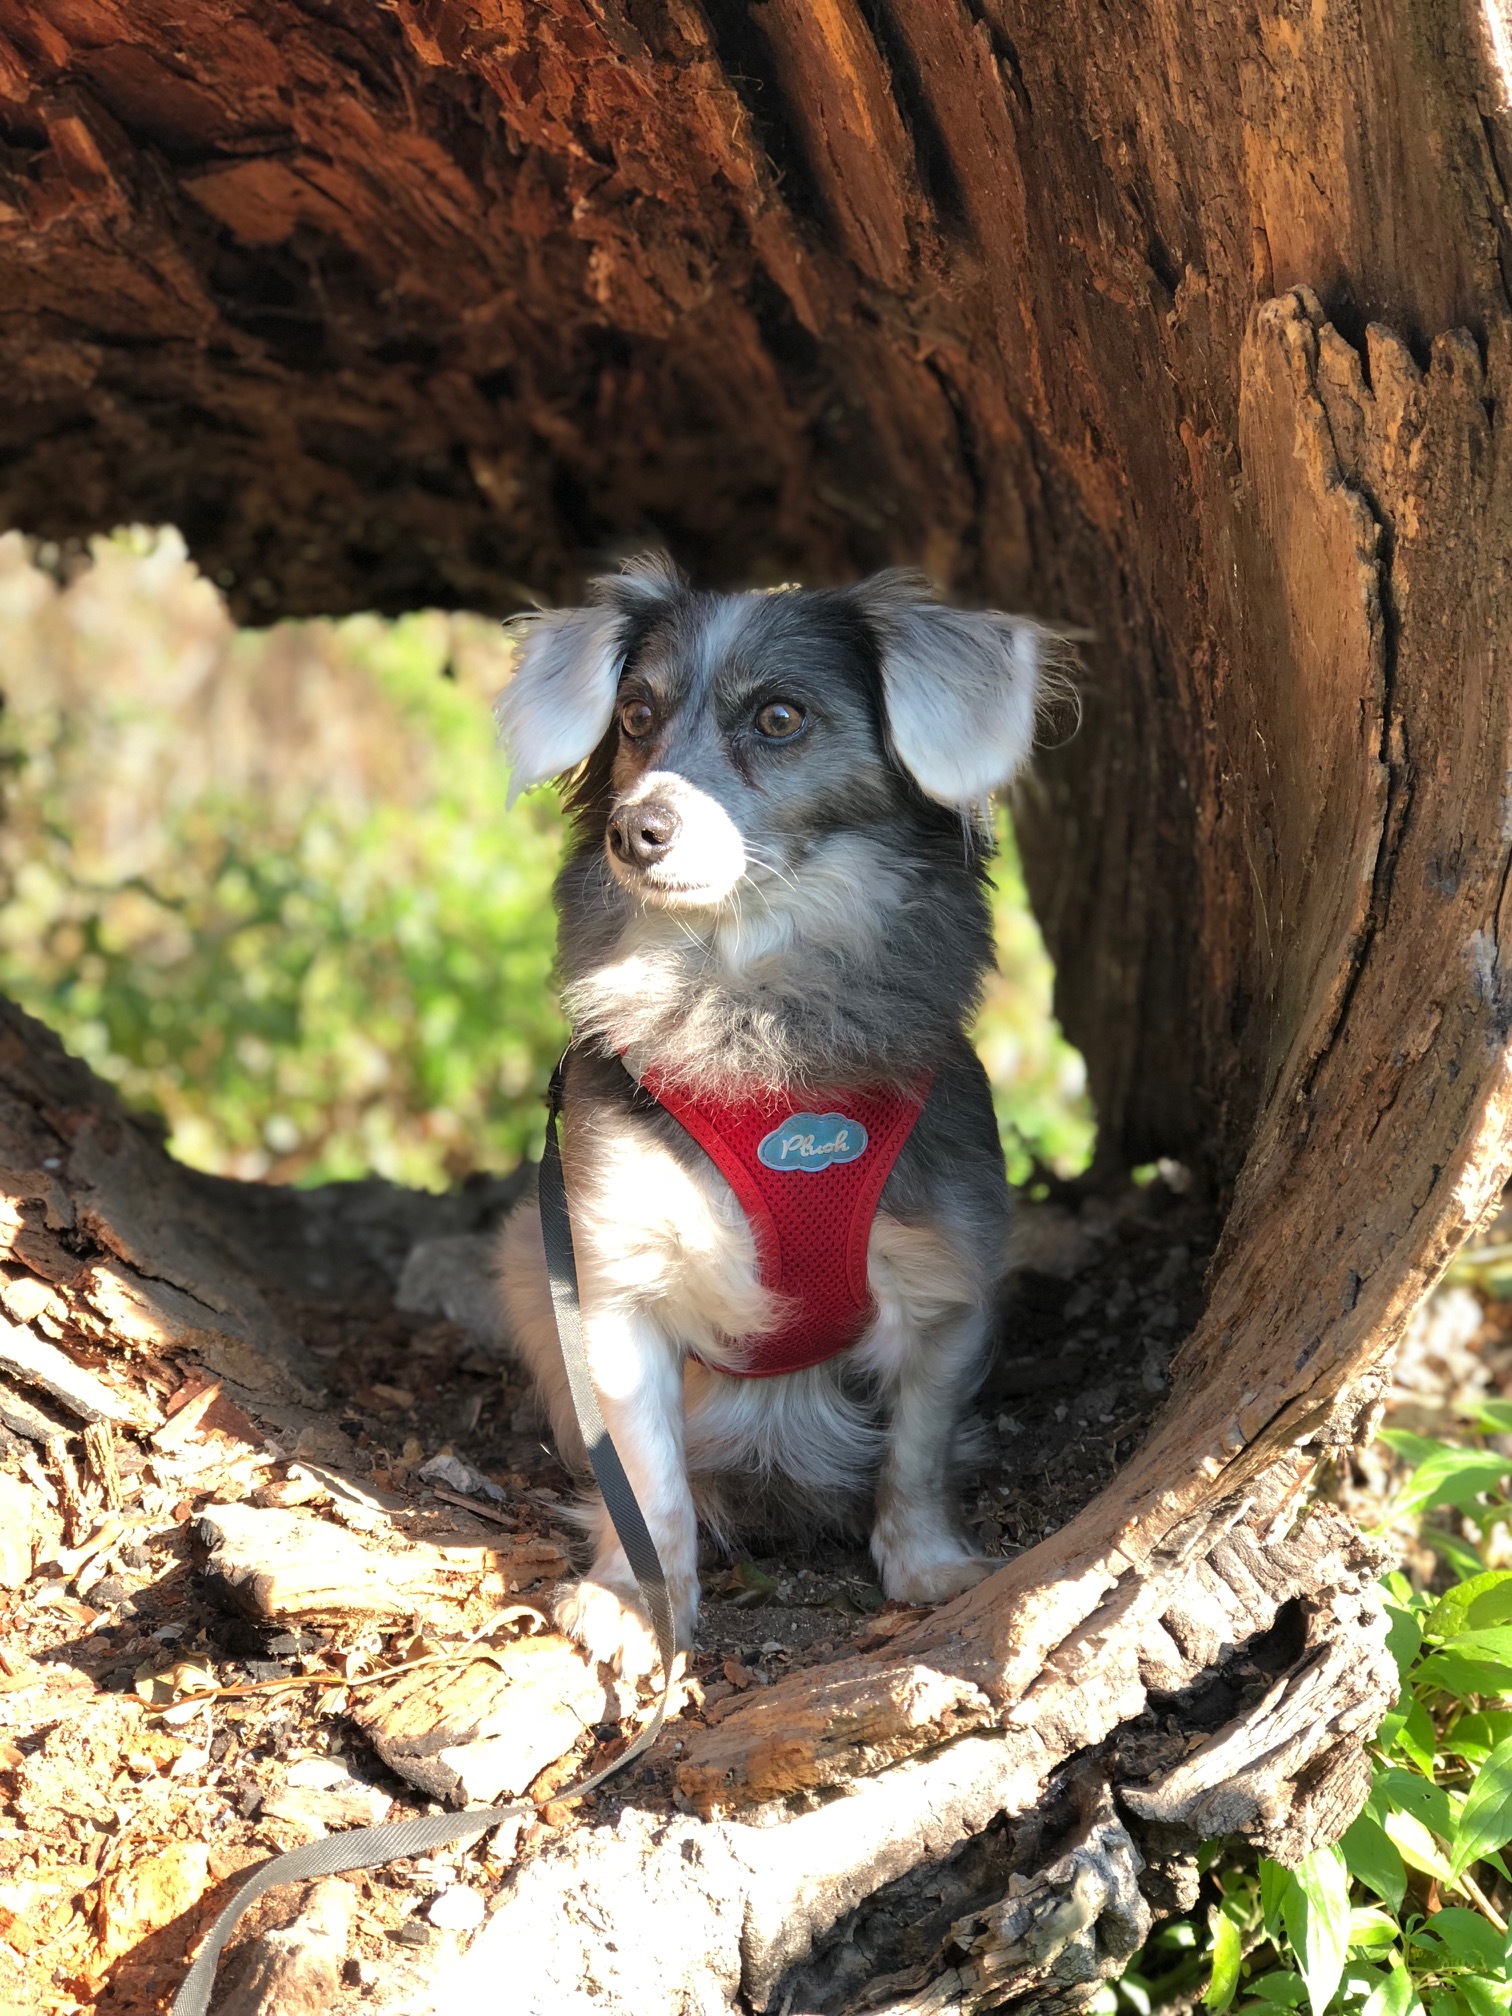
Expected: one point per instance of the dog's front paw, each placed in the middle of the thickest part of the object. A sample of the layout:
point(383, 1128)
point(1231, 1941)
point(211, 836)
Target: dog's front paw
point(931, 1574)
point(611, 1627)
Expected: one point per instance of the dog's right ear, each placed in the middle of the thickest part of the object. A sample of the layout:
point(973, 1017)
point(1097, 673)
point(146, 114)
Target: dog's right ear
point(560, 700)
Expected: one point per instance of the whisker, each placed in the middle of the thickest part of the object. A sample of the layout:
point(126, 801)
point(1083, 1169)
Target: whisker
point(770, 868)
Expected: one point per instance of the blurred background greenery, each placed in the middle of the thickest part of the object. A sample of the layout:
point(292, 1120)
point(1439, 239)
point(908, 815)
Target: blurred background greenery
point(264, 881)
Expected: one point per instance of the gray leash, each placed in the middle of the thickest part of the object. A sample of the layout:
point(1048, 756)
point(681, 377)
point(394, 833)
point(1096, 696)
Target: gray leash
point(368, 1847)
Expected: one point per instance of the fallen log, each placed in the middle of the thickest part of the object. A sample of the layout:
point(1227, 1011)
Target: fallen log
point(1194, 333)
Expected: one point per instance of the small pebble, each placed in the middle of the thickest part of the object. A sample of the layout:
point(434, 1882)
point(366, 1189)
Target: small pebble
point(456, 1910)
point(412, 1933)
point(109, 1591)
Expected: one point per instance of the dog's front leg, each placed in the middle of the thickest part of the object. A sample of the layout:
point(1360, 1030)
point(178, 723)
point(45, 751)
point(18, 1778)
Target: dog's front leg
point(915, 1542)
point(638, 1377)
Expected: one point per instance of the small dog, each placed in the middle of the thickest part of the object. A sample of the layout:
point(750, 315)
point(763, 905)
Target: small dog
point(776, 889)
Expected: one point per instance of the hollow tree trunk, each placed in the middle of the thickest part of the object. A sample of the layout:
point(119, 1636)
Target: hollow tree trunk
point(1189, 329)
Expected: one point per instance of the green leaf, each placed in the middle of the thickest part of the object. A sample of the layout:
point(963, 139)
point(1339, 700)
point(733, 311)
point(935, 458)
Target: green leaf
point(1393, 1722)
point(1372, 1857)
point(1486, 1641)
point(1484, 1996)
point(1450, 1476)
point(1486, 1821)
point(1406, 1791)
point(1474, 1737)
point(1372, 1931)
point(1285, 1988)
point(1315, 1913)
point(1495, 1415)
point(1460, 1555)
point(1228, 1951)
point(1416, 1738)
point(1470, 1606)
point(1415, 1844)
point(1274, 1884)
point(1404, 1638)
point(1416, 1448)
point(1462, 1674)
point(1468, 1939)
point(1395, 1996)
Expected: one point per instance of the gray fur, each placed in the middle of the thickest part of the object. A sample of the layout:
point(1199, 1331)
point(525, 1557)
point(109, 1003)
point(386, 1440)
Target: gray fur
point(817, 917)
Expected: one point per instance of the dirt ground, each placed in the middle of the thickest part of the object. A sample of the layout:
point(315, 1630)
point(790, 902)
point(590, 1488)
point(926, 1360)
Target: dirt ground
point(201, 1673)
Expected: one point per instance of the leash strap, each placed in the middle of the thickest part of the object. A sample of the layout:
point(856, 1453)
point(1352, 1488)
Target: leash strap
point(369, 1847)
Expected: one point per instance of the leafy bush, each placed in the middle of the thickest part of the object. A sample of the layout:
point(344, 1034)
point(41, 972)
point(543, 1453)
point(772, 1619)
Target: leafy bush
point(1408, 1913)
point(266, 883)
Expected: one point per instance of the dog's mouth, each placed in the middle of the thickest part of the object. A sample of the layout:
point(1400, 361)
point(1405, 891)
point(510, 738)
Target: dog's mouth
point(669, 890)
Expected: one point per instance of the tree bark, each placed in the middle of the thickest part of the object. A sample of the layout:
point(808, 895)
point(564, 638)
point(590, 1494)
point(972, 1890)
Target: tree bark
point(1191, 330)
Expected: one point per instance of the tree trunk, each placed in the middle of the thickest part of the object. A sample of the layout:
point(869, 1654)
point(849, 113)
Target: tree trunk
point(1192, 330)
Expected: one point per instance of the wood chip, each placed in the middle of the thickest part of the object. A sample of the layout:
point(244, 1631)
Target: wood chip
point(18, 1514)
point(297, 1971)
point(488, 1512)
point(184, 1420)
point(484, 1731)
point(272, 1563)
point(149, 1895)
point(768, 1745)
point(327, 1809)
point(23, 1417)
point(100, 1453)
point(36, 1363)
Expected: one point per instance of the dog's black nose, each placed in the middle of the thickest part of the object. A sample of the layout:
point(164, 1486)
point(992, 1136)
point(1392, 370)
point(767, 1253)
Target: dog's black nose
point(643, 834)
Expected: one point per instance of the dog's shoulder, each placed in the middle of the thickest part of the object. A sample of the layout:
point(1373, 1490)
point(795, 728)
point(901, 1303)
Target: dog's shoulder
point(602, 1091)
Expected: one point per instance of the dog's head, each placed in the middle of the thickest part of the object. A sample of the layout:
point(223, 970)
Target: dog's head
point(731, 735)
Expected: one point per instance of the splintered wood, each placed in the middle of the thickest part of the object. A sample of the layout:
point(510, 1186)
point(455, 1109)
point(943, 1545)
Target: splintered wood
point(484, 1730)
point(770, 1745)
point(295, 1567)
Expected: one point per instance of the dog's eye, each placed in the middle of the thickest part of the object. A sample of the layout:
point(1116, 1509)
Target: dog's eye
point(779, 720)
point(637, 718)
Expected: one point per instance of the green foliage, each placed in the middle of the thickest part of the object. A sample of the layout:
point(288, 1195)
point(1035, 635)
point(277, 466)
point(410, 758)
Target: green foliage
point(1038, 1080)
point(266, 883)
point(1403, 1914)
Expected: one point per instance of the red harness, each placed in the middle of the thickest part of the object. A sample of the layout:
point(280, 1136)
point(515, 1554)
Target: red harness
point(809, 1173)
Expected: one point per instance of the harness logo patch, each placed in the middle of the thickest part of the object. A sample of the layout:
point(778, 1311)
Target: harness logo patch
point(812, 1141)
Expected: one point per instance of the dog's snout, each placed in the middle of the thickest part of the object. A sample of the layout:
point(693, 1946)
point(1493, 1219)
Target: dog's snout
point(643, 834)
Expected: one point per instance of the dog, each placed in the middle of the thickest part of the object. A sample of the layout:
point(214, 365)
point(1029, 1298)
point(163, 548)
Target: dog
point(775, 888)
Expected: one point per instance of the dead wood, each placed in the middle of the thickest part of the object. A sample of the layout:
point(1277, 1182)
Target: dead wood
point(1195, 333)
point(297, 1970)
point(1233, 1688)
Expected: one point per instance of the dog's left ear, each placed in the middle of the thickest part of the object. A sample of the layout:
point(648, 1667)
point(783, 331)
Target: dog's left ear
point(960, 686)
point(560, 700)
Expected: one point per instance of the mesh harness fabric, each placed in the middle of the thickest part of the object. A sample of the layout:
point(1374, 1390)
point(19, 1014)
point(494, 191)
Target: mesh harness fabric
point(809, 1172)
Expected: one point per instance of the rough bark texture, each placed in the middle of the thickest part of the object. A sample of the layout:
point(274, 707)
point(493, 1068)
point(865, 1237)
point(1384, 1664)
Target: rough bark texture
point(1192, 330)
point(1227, 1691)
